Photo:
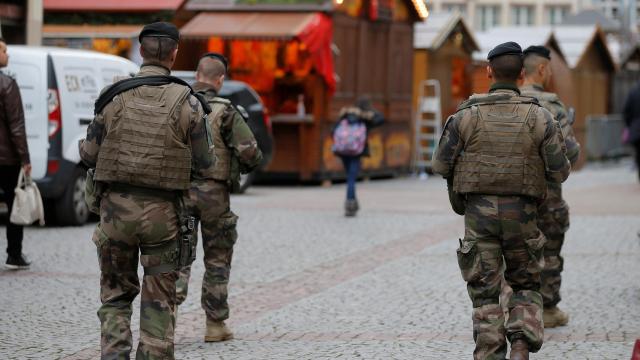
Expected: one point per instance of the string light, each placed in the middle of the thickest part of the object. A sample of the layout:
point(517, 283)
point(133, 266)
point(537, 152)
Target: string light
point(423, 12)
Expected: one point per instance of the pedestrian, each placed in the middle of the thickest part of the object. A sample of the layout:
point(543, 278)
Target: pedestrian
point(236, 151)
point(553, 212)
point(350, 143)
point(143, 144)
point(14, 155)
point(497, 150)
point(631, 114)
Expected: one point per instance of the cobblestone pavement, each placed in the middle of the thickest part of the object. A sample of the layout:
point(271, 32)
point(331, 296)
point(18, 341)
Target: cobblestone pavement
point(308, 283)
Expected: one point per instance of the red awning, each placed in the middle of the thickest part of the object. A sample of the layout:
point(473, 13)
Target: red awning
point(112, 5)
point(247, 25)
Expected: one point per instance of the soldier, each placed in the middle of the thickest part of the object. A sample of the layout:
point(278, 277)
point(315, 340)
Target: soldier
point(495, 153)
point(236, 151)
point(143, 145)
point(553, 213)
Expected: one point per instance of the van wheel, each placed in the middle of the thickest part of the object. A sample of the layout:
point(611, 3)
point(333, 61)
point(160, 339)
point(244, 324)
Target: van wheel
point(245, 181)
point(71, 209)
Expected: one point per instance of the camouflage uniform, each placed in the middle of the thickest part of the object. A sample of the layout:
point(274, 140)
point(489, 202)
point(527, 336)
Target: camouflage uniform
point(135, 217)
point(500, 179)
point(553, 213)
point(237, 151)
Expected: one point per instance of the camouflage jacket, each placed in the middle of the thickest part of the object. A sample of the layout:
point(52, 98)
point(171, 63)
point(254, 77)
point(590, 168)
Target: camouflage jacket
point(192, 127)
point(452, 144)
point(237, 137)
point(551, 102)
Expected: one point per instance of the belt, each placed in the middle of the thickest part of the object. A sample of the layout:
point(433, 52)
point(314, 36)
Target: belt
point(144, 191)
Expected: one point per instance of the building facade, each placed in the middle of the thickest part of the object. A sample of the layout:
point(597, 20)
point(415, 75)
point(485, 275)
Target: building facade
point(483, 15)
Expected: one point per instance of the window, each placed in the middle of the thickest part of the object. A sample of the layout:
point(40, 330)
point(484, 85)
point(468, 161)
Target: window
point(556, 14)
point(611, 8)
point(451, 8)
point(487, 16)
point(521, 15)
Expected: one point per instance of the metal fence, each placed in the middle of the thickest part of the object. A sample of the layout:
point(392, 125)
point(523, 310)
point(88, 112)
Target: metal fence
point(604, 137)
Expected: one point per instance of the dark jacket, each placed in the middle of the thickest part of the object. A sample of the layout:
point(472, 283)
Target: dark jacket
point(632, 114)
point(13, 137)
point(371, 119)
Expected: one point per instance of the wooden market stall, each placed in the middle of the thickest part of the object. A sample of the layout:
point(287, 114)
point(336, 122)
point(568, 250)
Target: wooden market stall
point(13, 21)
point(307, 60)
point(592, 69)
point(443, 46)
point(627, 76)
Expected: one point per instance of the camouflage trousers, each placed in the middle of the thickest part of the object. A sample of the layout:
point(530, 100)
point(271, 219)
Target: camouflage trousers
point(132, 222)
point(553, 221)
point(501, 234)
point(210, 204)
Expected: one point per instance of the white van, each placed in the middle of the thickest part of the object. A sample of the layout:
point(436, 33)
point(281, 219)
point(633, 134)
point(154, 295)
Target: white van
point(58, 88)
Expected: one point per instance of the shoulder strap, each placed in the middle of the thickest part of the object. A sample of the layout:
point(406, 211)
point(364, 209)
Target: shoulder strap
point(514, 100)
point(221, 100)
point(132, 83)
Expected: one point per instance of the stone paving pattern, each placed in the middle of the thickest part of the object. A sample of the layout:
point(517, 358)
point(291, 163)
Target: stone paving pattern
point(308, 283)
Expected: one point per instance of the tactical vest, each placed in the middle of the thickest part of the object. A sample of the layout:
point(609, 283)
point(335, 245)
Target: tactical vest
point(222, 153)
point(501, 156)
point(554, 189)
point(144, 145)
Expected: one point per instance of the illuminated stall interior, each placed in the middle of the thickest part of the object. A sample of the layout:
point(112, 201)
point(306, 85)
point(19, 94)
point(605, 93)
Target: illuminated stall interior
point(307, 60)
point(282, 56)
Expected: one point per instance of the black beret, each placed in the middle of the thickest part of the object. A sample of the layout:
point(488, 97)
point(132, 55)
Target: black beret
point(538, 50)
point(508, 48)
point(160, 29)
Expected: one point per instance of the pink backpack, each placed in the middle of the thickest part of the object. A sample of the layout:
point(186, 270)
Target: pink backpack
point(349, 139)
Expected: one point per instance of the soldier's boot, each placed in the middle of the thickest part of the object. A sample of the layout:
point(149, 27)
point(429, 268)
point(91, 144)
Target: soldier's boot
point(351, 207)
point(217, 331)
point(519, 350)
point(554, 317)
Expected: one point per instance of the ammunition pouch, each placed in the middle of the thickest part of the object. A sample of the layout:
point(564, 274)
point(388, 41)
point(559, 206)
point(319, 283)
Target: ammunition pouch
point(158, 259)
point(234, 175)
point(92, 191)
point(187, 240)
point(458, 201)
